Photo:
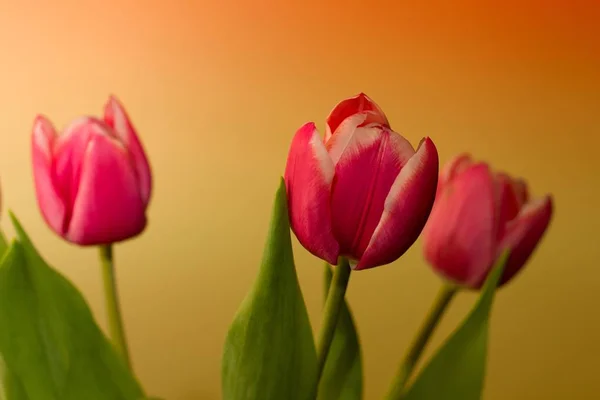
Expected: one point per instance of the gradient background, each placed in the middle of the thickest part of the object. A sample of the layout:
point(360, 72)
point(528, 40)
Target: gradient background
point(217, 89)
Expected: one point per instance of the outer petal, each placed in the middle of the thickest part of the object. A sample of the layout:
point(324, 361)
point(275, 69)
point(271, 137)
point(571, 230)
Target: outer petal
point(48, 198)
point(116, 117)
point(308, 176)
point(108, 207)
point(460, 236)
point(69, 153)
point(359, 104)
point(406, 209)
point(369, 164)
point(509, 202)
point(524, 233)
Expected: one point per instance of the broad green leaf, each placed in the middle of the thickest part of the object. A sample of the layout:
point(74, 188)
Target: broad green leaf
point(457, 371)
point(269, 352)
point(49, 340)
point(342, 377)
point(10, 386)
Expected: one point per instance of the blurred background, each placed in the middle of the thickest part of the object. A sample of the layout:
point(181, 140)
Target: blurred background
point(216, 90)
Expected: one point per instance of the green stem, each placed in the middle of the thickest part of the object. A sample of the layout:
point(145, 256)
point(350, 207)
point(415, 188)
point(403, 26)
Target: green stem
point(115, 320)
point(411, 358)
point(331, 313)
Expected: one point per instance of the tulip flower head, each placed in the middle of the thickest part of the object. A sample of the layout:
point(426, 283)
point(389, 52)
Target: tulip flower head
point(363, 192)
point(478, 214)
point(93, 182)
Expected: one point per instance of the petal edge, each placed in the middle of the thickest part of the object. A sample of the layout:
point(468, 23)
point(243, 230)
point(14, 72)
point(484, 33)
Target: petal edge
point(117, 118)
point(524, 234)
point(48, 197)
point(406, 208)
point(308, 177)
point(359, 104)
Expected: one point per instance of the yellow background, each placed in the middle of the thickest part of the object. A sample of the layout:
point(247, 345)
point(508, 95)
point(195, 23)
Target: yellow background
point(217, 89)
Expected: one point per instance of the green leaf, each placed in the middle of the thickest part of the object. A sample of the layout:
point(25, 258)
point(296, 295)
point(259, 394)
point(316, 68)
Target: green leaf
point(3, 245)
point(342, 377)
point(269, 352)
point(49, 340)
point(457, 370)
point(10, 386)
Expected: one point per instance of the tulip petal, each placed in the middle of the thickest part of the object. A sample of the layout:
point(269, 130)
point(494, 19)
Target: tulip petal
point(406, 208)
point(520, 188)
point(48, 197)
point(370, 162)
point(351, 136)
point(108, 207)
point(69, 152)
point(308, 177)
point(509, 202)
point(116, 117)
point(524, 233)
point(455, 166)
point(359, 104)
point(459, 238)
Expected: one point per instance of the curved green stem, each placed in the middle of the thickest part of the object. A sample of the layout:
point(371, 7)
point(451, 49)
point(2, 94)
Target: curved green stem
point(331, 314)
point(115, 320)
point(414, 352)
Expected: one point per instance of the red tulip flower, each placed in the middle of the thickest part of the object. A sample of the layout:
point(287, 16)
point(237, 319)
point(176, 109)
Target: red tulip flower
point(363, 193)
point(93, 182)
point(477, 215)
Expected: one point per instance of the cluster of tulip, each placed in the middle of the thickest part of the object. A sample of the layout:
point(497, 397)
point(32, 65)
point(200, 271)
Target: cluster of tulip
point(357, 199)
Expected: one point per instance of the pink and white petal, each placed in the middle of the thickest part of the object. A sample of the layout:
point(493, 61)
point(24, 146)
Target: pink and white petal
point(349, 134)
point(108, 207)
point(69, 153)
point(116, 117)
point(364, 175)
point(359, 104)
point(459, 239)
point(308, 177)
point(48, 197)
point(523, 234)
point(406, 208)
point(353, 134)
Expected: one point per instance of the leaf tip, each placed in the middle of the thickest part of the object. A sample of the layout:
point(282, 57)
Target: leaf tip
point(281, 190)
point(280, 206)
point(9, 253)
point(16, 223)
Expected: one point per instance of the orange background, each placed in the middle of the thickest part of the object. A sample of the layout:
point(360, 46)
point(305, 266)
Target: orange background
point(216, 90)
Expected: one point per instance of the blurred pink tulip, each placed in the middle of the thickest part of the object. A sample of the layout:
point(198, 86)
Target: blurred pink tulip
point(477, 215)
point(364, 192)
point(93, 182)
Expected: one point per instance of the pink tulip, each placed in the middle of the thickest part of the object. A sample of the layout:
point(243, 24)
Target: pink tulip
point(363, 193)
point(93, 182)
point(477, 215)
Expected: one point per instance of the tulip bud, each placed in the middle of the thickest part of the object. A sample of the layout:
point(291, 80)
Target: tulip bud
point(477, 215)
point(93, 182)
point(364, 192)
